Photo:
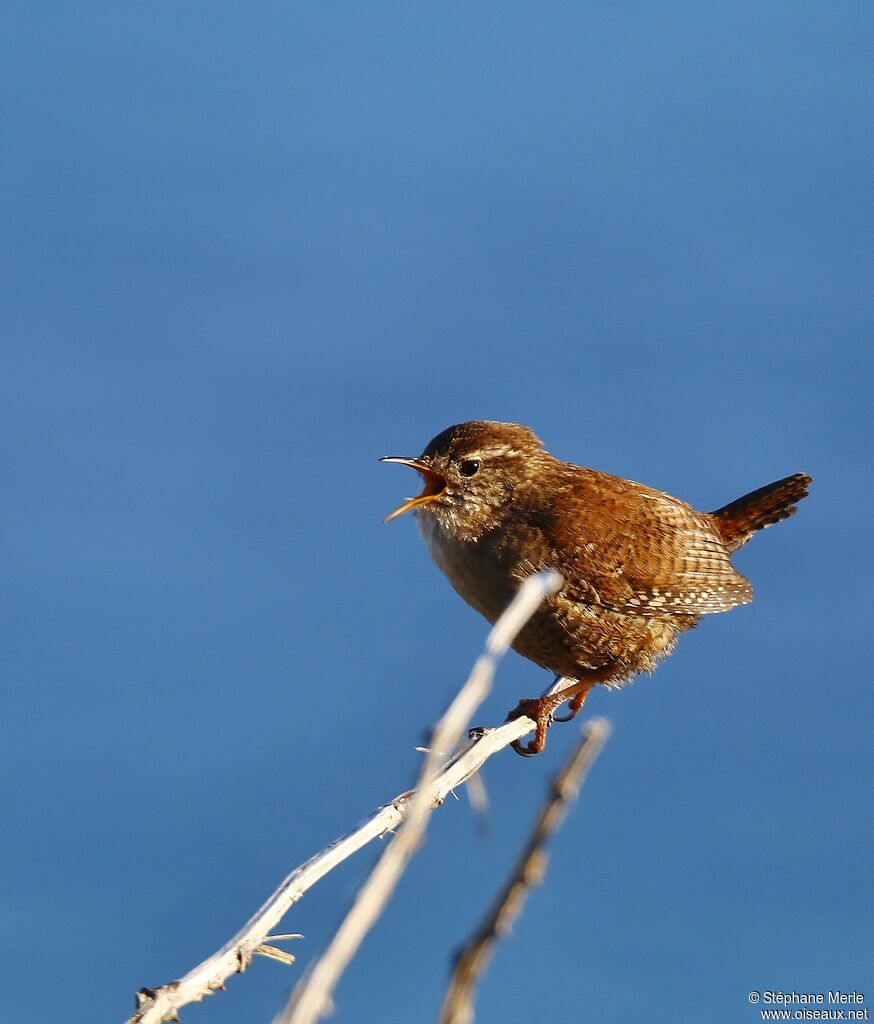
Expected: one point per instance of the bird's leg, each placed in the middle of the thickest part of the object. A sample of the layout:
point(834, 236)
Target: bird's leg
point(541, 711)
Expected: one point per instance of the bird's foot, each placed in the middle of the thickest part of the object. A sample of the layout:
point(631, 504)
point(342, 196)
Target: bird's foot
point(541, 710)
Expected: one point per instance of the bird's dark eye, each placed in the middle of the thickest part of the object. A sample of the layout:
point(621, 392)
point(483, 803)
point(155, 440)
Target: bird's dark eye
point(469, 467)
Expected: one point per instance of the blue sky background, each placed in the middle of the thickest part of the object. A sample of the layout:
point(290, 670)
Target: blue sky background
point(247, 249)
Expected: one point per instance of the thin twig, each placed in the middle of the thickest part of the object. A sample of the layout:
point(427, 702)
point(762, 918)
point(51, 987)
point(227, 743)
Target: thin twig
point(311, 999)
point(529, 870)
point(163, 1003)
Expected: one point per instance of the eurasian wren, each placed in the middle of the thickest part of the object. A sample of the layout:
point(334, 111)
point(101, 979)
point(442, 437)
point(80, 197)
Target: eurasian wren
point(639, 566)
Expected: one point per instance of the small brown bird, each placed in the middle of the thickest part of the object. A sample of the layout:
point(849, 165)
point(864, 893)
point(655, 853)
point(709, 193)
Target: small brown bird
point(639, 566)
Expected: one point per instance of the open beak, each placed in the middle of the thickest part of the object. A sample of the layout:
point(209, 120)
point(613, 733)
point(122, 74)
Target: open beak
point(435, 485)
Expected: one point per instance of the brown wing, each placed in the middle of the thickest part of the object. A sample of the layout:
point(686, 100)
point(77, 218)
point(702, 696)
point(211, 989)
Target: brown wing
point(641, 551)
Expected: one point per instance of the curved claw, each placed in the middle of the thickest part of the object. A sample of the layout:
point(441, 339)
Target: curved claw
point(576, 703)
point(572, 711)
point(525, 749)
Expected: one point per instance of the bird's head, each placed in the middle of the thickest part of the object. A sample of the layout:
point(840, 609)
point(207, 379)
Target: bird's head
point(471, 472)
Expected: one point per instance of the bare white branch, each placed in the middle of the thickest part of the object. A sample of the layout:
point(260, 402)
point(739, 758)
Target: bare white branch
point(163, 1004)
point(311, 999)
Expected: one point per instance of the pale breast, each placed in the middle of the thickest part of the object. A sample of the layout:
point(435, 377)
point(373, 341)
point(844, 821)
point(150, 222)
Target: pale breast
point(470, 567)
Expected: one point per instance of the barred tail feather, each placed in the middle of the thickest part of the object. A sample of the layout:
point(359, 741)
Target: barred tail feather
point(740, 519)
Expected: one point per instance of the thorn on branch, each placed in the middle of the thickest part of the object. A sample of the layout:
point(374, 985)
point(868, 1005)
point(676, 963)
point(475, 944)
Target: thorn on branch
point(275, 953)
